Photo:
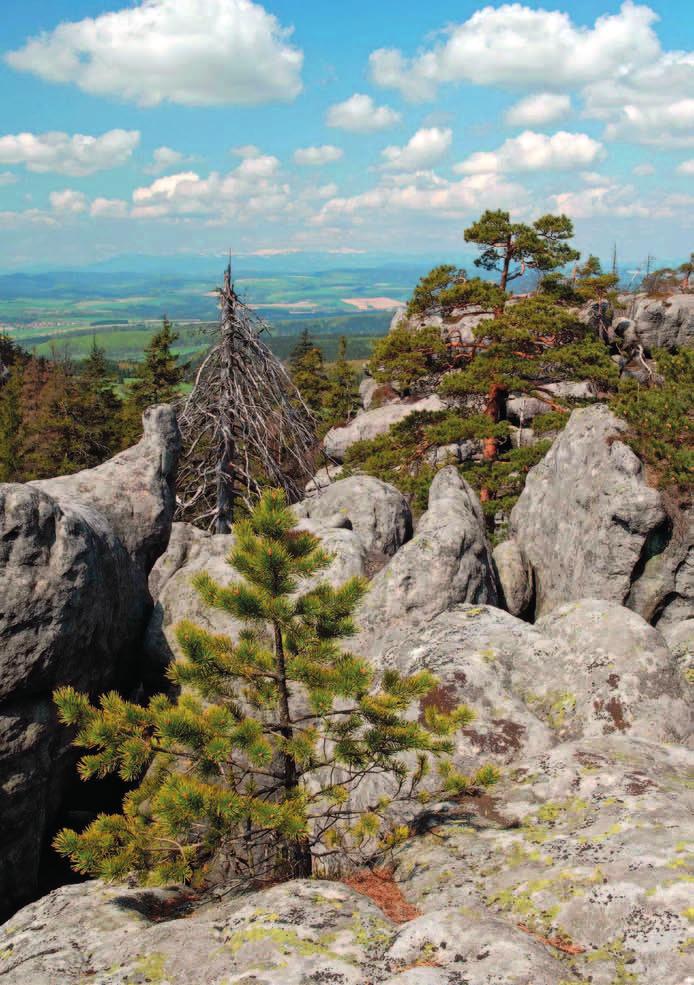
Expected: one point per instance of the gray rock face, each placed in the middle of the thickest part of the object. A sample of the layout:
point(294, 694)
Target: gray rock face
point(613, 673)
point(514, 578)
point(378, 513)
point(575, 869)
point(371, 423)
point(322, 479)
point(663, 323)
point(457, 326)
point(447, 561)
point(73, 608)
point(587, 519)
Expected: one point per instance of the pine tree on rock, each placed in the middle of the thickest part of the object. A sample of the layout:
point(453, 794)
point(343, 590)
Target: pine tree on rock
point(157, 382)
point(254, 765)
point(510, 248)
point(446, 287)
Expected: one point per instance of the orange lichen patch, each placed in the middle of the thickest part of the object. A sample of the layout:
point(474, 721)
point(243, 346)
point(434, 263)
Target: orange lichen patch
point(560, 943)
point(420, 964)
point(379, 886)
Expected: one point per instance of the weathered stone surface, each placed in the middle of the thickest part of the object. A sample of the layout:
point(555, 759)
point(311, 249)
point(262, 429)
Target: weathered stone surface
point(663, 323)
point(472, 650)
point(322, 479)
point(587, 519)
point(521, 409)
point(514, 578)
point(75, 553)
point(612, 673)
point(298, 933)
point(185, 543)
point(586, 846)
point(374, 422)
point(378, 513)
point(447, 561)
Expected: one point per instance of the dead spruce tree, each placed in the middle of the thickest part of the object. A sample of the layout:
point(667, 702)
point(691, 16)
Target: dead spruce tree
point(244, 423)
point(263, 763)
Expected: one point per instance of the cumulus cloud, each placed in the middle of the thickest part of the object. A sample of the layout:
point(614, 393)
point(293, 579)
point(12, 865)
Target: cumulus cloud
point(68, 201)
point(533, 111)
point(643, 170)
point(359, 114)
point(622, 202)
point(252, 188)
point(428, 193)
point(246, 150)
point(109, 208)
point(532, 151)
point(193, 52)
point(315, 156)
point(425, 148)
point(165, 158)
point(8, 178)
point(516, 46)
point(649, 105)
point(686, 167)
point(61, 153)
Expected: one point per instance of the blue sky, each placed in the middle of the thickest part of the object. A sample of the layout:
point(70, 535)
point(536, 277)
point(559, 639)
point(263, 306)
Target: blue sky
point(162, 126)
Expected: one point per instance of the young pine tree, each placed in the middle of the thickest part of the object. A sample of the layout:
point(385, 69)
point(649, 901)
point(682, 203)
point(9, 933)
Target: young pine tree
point(157, 382)
point(256, 761)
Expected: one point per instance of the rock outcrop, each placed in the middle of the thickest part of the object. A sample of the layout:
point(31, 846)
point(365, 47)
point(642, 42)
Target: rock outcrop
point(588, 523)
point(447, 561)
point(75, 553)
point(662, 323)
point(378, 513)
point(371, 423)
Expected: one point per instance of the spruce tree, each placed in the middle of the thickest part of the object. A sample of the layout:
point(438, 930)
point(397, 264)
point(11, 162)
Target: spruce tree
point(256, 761)
point(308, 372)
point(341, 397)
point(157, 382)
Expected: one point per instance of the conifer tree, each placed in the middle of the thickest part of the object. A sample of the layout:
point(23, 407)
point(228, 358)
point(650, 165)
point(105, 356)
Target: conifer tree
point(11, 439)
point(157, 382)
point(341, 397)
point(255, 763)
point(308, 372)
point(510, 248)
point(446, 287)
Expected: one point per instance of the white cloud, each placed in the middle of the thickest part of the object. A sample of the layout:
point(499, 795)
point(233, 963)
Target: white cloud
point(686, 167)
point(68, 202)
point(246, 150)
point(516, 46)
point(532, 151)
point(427, 193)
point(109, 208)
point(608, 199)
point(533, 111)
point(193, 52)
point(649, 105)
point(315, 156)
point(251, 189)
point(37, 217)
point(61, 153)
point(422, 150)
point(165, 158)
point(8, 178)
point(643, 170)
point(360, 114)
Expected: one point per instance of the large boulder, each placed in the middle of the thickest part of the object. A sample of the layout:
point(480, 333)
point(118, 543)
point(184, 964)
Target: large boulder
point(587, 520)
point(663, 323)
point(371, 423)
point(447, 561)
point(514, 578)
point(378, 513)
point(75, 553)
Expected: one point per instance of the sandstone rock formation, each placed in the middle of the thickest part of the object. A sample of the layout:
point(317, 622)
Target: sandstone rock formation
point(75, 553)
point(588, 523)
point(371, 423)
point(447, 561)
point(662, 323)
